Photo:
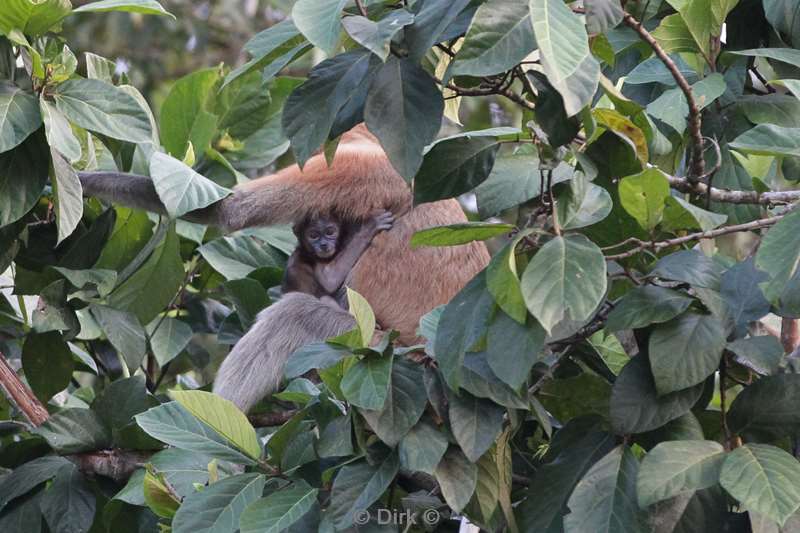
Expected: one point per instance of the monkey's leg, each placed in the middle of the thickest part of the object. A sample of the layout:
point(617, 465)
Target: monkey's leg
point(254, 367)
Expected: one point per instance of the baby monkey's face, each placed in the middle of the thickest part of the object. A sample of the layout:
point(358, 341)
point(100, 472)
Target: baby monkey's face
point(321, 237)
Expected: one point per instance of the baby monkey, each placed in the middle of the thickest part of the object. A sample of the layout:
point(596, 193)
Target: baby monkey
point(328, 249)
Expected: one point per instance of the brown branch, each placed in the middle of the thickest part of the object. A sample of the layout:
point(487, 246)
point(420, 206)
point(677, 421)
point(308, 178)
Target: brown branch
point(21, 395)
point(116, 464)
point(727, 196)
point(502, 91)
point(361, 8)
point(697, 165)
point(263, 420)
point(790, 334)
point(711, 234)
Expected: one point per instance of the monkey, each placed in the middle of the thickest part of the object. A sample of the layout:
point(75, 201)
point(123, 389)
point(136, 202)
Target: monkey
point(326, 253)
point(400, 283)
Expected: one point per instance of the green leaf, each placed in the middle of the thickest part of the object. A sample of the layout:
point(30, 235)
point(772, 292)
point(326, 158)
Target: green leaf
point(768, 406)
point(245, 106)
point(779, 254)
point(158, 496)
point(643, 196)
point(23, 176)
point(25, 477)
point(624, 128)
point(376, 36)
point(404, 110)
point(453, 167)
point(47, 362)
point(19, 116)
point(187, 113)
point(236, 257)
point(278, 511)
point(463, 322)
point(479, 380)
point(635, 407)
point(785, 55)
point(653, 70)
point(674, 36)
point(646, 305)
point(75, 431)
point(582, 203)
point(475, 423)
point(180, 188)
point(422, 448)
point(103, 280)
point(502, 281)
point(761, 354)
point(513, 348)
point(316, 355)
point(103, 108)
point(499, 37)
point(357, 486)
point(685, 351)
point(565, 55)
point(171, 423)
point(32, 17)
point(69, 503)
point(764, 479)
point(404, 404)
point(145, 7)
point(123, 331)
point(147, 292)
point(602, 15)
point(169, 340)
point(456, 234)
point(362, 312)
point(68, 196)
point(276, 46)
point(680, 214)
point(222, 416)
point(432, 19)
point(678, 467)
point(332, 84)
point(604, 500)
point(689, 266)
point(320, 22)
point(769, 139)
point(366, 384)
point(59, 132)
point(217, 508)
point(457, 477)
point(566, 279)
point(118, 404)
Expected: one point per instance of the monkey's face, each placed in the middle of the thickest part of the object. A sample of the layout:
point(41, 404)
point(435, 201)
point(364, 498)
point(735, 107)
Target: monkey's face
point(321, 237)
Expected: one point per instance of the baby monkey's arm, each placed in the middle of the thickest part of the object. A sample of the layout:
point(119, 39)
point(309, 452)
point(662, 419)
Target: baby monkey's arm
point(331, 275)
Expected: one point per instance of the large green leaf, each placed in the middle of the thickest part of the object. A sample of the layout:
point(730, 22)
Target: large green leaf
point(217, 508)
point(187, 113)
point(685, 351)
point(59, 133)
point(643, 196)
point(320, 22)
point(124, 332)
point(565, 55)
point(475, 423)
point(236, 257)
point(566, 279)
point(68, 195)
point(404, 110)
point(23, 176)
point(680, 214)
point(19, 116)
point(118, 404)
point(499, 37)
point(147, 292)
point(785, 55)
point(32, 17)
point(762, 354)
point(422, 448)
point(457, 477)
point(357, 486)
point(145, 7)
point(103, 108)
point(768, 405)
point(276, 46)
point(74, 431)
point(222, 416)
point(672, 108)
point(366, 384)
point(646, 305)
point(769, 139)
point(331, 85)
point(764, 479)
point(432, 19)
point(678, 467)
point(636, 407)
point(604, 500)
point(456, 234)
point(376, 36)
point(689, 266)
point(583, 203)
point(173, 424)
point(502, 281)
point(69, 503)
point(28, 475)
point(180, 188)
point(168, 337)
point(47, 362)
point(779, 254)
point(278, 511)
point(403, 406)
point(602, 15)
point(513, 348)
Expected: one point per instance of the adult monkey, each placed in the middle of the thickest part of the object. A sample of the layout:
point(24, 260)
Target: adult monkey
point(400, 284)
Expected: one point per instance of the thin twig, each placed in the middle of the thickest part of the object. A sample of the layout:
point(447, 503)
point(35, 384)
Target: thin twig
point(361, 8)
point(480, 91)
point(697, 165)
point(711, 234)
point(723, 404)
point(21, 395)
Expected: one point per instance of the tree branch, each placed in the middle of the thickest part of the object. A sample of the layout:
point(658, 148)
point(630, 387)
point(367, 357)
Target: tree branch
point(265, 420)
point(697, 165)
point(734, 197)
point(361, 8)
point(21, 395)
point(790, 334)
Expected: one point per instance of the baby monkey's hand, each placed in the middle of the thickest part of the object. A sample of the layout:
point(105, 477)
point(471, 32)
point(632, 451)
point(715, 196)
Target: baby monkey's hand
point(382, 220)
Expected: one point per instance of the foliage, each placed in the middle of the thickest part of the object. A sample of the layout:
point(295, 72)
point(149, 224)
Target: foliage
point(614, 367)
